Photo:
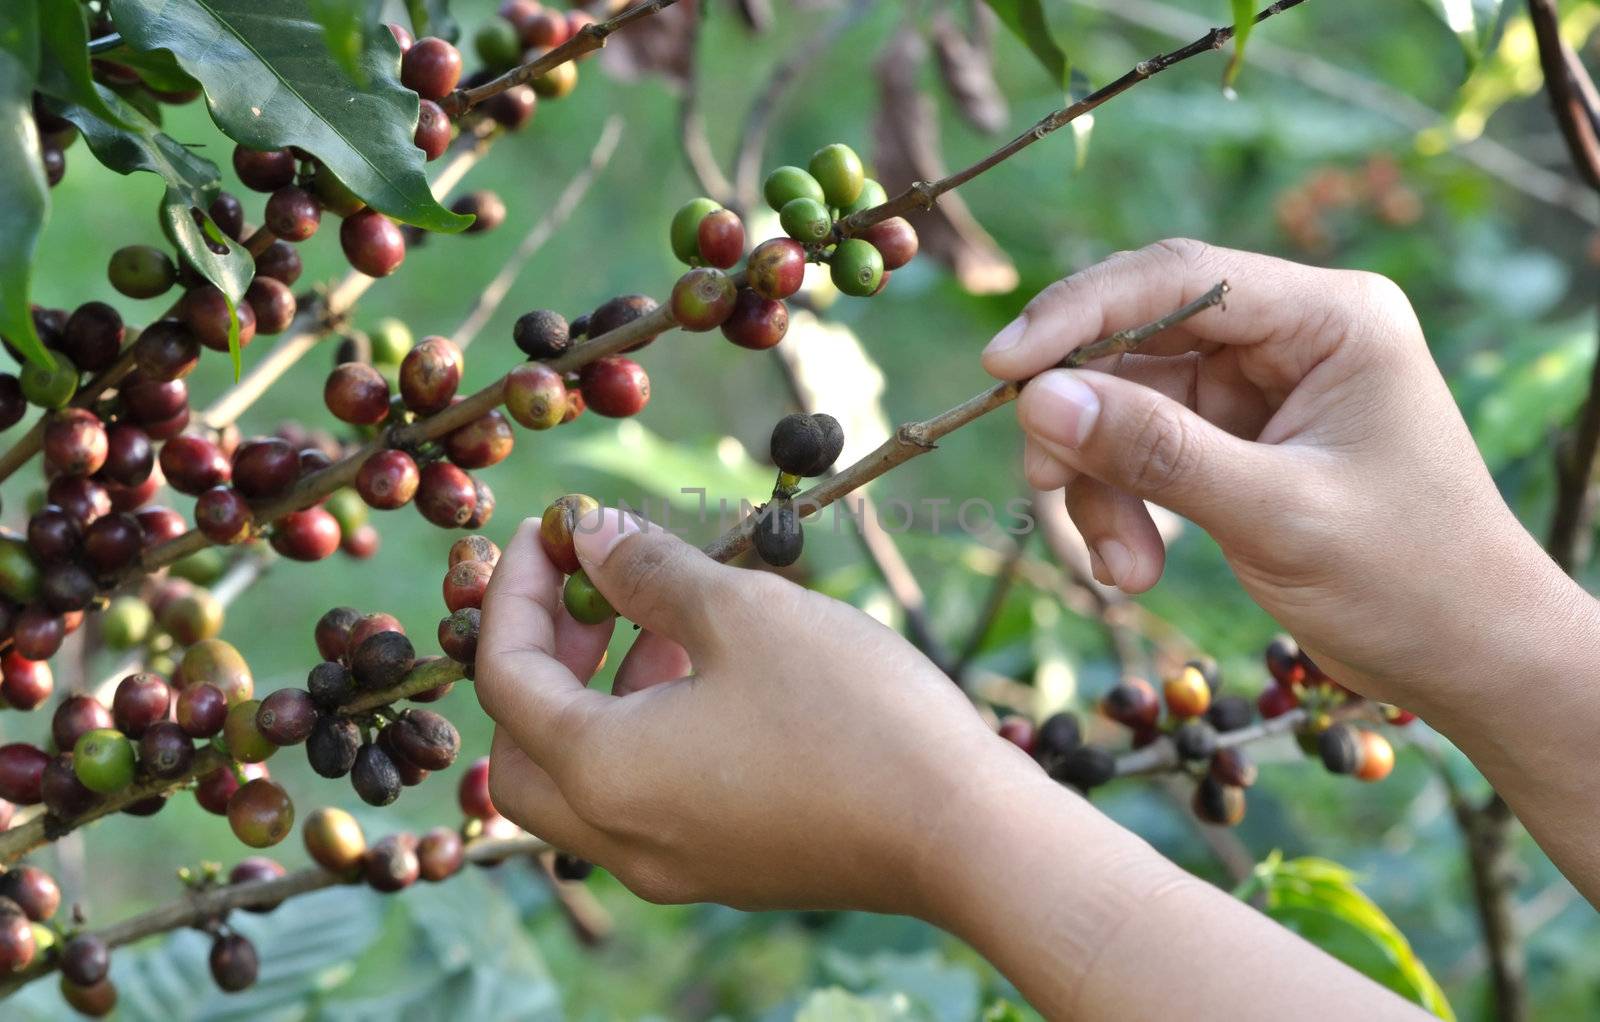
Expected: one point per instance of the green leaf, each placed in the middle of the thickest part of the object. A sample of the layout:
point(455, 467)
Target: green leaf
point(347, 26)
point(1244, 19)
point(192, 182)
point(432, 17)
point(1477, 23)
point(64, 73)
point(25, 201)
point(157, 68)
point(270, 82)
point(1027, 21)
point(1319, 900)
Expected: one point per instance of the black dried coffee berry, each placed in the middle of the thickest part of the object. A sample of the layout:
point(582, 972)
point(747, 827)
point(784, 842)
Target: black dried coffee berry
point(1230, 713)
point(1086, 767)
point(330, 684)
point(542, 333)
point(777, 535)
point(1195, 740)
point(1057, 737)
point(798, 443)
point(425, 738)
point(1340, 748)
point(375, 776)
point(382, 660)
point(333, 746)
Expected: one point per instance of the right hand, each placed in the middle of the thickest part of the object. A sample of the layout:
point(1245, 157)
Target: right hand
point(1306, 427)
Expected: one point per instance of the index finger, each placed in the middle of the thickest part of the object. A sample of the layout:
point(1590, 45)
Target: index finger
point(1269, 301)
point(520, 679)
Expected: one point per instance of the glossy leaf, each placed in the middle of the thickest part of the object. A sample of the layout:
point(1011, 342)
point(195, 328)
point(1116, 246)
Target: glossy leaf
point(192, 182)
point(1477, 23)
point(156, 68)
point(25, 201)
point(432, 17)
point(1244, 19)
point(347, 27)
point(1026, 20)
point(270, 82)
point(64, 71)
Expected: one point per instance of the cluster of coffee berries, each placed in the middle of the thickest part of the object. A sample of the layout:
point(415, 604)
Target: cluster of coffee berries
point(614, 386)
point(801, 445)
point(556, 529)
point(472, 561)
point(29, 899)
point(1342, 745)
point(524, 31)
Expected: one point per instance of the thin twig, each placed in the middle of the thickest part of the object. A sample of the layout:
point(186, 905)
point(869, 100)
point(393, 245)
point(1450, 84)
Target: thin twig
point(692, 137)
point(993, 604)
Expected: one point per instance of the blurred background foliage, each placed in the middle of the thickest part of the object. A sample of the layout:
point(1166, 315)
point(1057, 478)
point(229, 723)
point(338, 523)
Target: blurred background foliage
point(1364, 134)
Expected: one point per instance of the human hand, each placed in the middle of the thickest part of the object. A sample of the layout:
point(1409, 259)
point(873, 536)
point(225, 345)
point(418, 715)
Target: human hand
point(765, 746)
point(1307, 429)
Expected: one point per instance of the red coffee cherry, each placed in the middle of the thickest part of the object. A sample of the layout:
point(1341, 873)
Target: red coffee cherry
point(615, 386)
point(440, 854)
point(433, 130)
point(756, 323)
point(234, 962)
point(430, 374)
point(34, 891)
point(37, 636)
point(54, 535)
point(227, 212)
point(372, 243)
point(458, 635)
point(93, 336)
point(361, 543)
point(159, 525)
point(223, 515)
point(895, 239)
point(474, 548)
point(75, 442)
point(473, 791)
point(703, 298)
point(167, 350)
point(166, 750)
point(65, 587)
point(1132, 703)
point(536, 396)
point(486, 440)
point(401, 35)
point(129, 455)
point(308, 535)
point(205, 310)
point(292, 213)
point(486, 208)
point(333, 632)
point(84, 499)
point(431, 68)
point(483, 505)
point(265, 467)
point(17, 945)
point(272, 304)
point(141, 700)
point(85, 960)
point(388, 479)
point(720, 238)
point(465, 584)
point(13, 406)
point(557, 525)
point(777, 268)
point(391, 864)
point(512, 108)
point(264, 171)
point(22, 773)
point(1018, 731)
point(357, 393)
point(193, 465)
point(371, 625)
point(215, 789)
point(286, 716)
point(1275, 701)
point(201, 710)
point(76, 716)
point(446, 495)
point(280, 262)
point(61, 791)
point(147, 400)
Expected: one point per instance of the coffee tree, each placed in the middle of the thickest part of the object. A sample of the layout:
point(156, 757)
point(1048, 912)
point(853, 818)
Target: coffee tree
point(359, 121)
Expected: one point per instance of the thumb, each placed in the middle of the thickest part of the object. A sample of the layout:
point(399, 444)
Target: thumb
point(1142, 442)
point(652, 577)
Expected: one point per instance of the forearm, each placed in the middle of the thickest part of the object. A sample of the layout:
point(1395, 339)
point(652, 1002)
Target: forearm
point(1091, 922)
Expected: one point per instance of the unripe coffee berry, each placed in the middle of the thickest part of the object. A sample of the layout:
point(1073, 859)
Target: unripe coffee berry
point(388, 479)
point(536, 396)
point(372, 243)
point(430, 374)
point(808, 222)
point(557, 526)
point(557, 82)
point(584, 601)
point(260, 813)
point(357, 393)
point(446, 495)
point(872, 194)
point(541, 334)
point(103, 760)
point(856, 268)
point(786, 184)
point(685, 229)
point(703, 299)
point(140, 271)
point(334, 840)
point(49, 388)
point(615, 387)
point(431, 68)
point(245, 741)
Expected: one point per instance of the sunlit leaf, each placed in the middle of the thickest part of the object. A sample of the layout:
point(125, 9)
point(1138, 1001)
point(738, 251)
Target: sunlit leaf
point(25, 200)
point(1026, 20)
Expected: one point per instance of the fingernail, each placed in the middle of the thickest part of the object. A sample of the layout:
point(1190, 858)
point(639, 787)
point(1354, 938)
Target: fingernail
point(1071, 406)
point(1097, 568)
point(1117, 558)
point(1008, 337)
point(598, 533)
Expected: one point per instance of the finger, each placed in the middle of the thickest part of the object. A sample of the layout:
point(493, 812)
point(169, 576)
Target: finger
point(655, 579)
point(652, 660)
point(1270, 301)
point(581, 648)
point(527, 796)
point(1043, 467)
point(1120, 533)
point(1149, 446)
point(521, 683)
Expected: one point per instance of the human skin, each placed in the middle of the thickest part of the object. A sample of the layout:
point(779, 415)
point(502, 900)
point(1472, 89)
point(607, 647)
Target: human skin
point(765, 746)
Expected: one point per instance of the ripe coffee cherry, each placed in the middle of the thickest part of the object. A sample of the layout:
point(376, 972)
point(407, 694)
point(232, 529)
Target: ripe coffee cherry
point(756, 323)
point(21, 773)
point(13, 405)
point(292, 213)
point(85, 960)
point(372, 624)
point(375, 777)
point(1340, 746)
point(280, 262)
point(557, 525)
point(222, 515)
point(103, 760)
point(332, 746)
point(1233, 766)
point(720, 239)
point(260, 813)
point(482, 507)
point(272, 304)
point(465, 584)
point(333, 631)
point(786, 184)
point(512, 108)
point(446, 495)
point(165, 750)
point(76, 716)
point(84, 499)
point(234, 963)
point(253, 870)
point(113, 542)
point(426, 739)
point(265, 468)
point(838, 170)
point(96, 1000)
point(615, 387)
point(1219, 803)
point(388, 479)
point(66, 587)
point(372, 243)
point(391, 864)
point(306, 535)
point(264, 171)
point(201, 711)
point(334, 840)
point(215, 789)
point(227, 212)
point(440, 854)
point(148, 400)
point(473, 791)
point(1056, 738)
point(215, 662)
point(777, 268)
point(806, 221)
point(1195, 740)
point(287, 716)
point(617, 313)
point(685, 229)
point(474, 548)
point(542, 28)
point(1283, 661)
point(204, 309)
point(776, 534)
point(895, 239)
point(431, 68)
point(486, 440)
point(17, 945)
point(330, 685)
point(1019, 731)
point(486, 208)
point(382, 660)
point(140, 700)
point(93, 336)
point(430, 374)
point(63, 794)
point(703, 299)
point(49, 388)
point(140, 271)
point(129, 455)
point(584, 601)
point(458, 635)
point(536, 396)
point(54, 535)
point(36, 636)
point(1085, 768)
point(33, 890)
point(1132, 703)
point(542, 333)
point(1377, 757)
point(1187, 693)
point(193, 464)
point(856, 268)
